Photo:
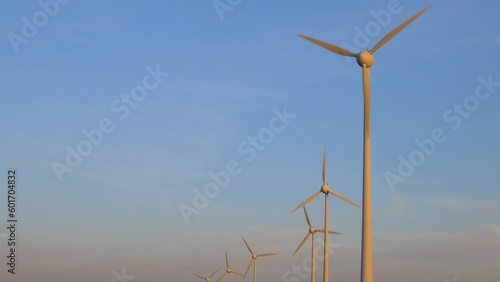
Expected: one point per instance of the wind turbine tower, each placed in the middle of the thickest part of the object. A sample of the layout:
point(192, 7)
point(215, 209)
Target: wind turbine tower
point(325, 189)
point(365, 60)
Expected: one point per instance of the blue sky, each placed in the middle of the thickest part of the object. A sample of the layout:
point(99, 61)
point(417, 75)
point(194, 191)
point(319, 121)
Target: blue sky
point(120, 206)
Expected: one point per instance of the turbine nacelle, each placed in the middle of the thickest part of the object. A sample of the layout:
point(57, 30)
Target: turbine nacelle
point(365, 58)
point(254, 256)
point(325, 188)
point(312, 230)
point(229, 270)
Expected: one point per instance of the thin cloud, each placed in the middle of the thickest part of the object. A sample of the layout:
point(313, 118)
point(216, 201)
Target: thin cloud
point(495, 228)
point(442, 202)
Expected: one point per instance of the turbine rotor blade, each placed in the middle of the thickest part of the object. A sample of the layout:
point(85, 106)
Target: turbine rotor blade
point(227, 262)
point(223, 275)
point(329, 232)
point(213, 273)
point(307, 217)
point(307, 201)
point(324, 166)
point(237, 273)
point(265, 255)
point(248, 247)
point(199, 276)
point(340, 196)
point(302, 243)
point(397, 30)
point(332, 48)
point(249, 265)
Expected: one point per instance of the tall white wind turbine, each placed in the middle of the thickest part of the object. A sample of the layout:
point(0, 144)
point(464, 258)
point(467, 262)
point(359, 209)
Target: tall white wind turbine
point(325, 189)
point(365, 60)
point(311, 232)
point(207, 279)
point(229, 271)
point(254, 260)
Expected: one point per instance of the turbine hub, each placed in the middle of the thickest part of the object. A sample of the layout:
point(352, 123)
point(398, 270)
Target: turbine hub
point(208, 279)
point(312, 230)
point(365, 58)
point(229, 270)
point(254, 256)
point(325, 188)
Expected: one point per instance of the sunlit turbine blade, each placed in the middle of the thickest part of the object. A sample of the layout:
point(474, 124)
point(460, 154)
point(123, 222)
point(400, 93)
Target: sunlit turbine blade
point(213, 273)
point(237, 273)
point(227, 261)
point(329, 232)
point(248, 247)
point(223, 275)
point(324, 166)
point(249, 265)
point(307, 201)
point(332, 48)
point(307, 217)
point(397, 30)
point(199, 276)
point(302, 243)
point(338, 195)
point(265, 255)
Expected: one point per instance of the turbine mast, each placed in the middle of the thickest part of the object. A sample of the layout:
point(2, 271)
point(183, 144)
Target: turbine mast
point(313, 270)
point(325, 251)
point(366, 245)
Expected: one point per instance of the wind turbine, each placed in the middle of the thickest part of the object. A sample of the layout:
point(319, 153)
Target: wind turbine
point(254, 260)
point(207, 279)
point(229, 271)
point(312, 233)
point(365, 60)
point(325, 189)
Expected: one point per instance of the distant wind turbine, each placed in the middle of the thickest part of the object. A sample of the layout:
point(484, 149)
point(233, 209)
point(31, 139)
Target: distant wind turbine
point(254, 260)
point(365, 60)
point(312, 233)
point(207, 279)
point(325, 189)
point(229, 271)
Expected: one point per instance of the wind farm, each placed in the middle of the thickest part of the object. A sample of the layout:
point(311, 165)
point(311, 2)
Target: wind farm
point(365, 60)
point(325, 189)
point(234, 140)
point(312, 232)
